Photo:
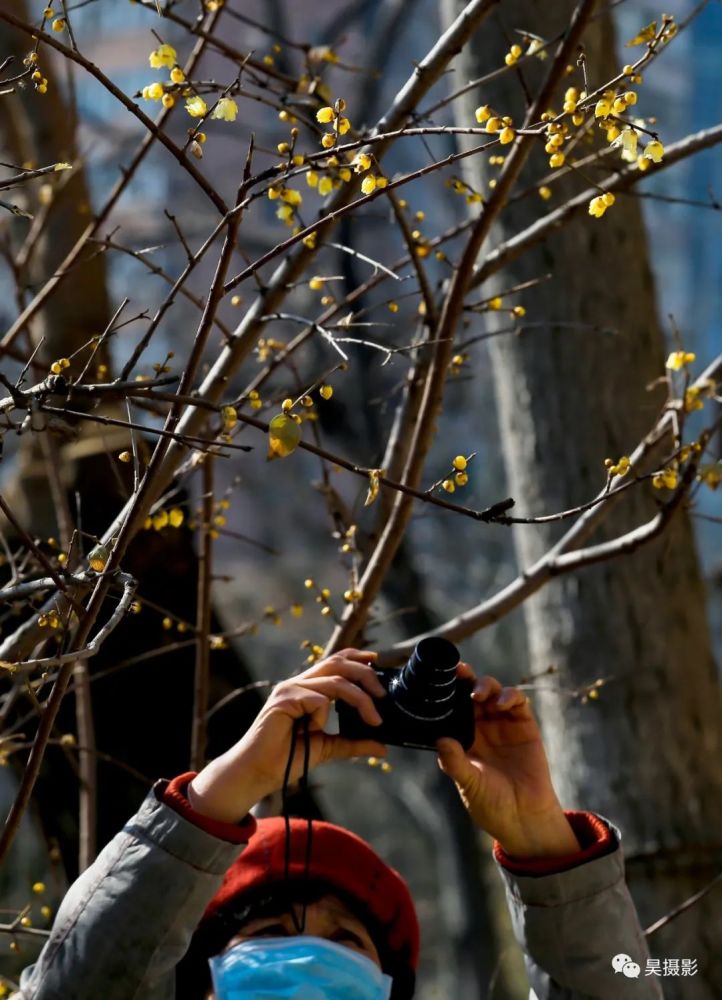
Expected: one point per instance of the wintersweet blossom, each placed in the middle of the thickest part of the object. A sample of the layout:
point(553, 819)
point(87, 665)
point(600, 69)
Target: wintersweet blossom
point(196, 106)
point(226, 109)
point(654, 151)
point(678, 359)
point(164, 55)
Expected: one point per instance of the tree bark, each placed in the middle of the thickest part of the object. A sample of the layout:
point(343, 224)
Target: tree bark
point(646, 753)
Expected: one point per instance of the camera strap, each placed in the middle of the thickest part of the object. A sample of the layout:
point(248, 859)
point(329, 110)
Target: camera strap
point(303, 786)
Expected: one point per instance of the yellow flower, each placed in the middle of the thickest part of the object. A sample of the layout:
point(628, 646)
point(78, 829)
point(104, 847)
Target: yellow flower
point(361, 162)
point(196, 107)
point(328, 140)
point(230, 417)
point(160, 520)
point(536, 47)
point(629, 139)
point(164, 55)
point(226, 109)
point(326, 391)
point(506, 136)
point(325, 186)
point(285, 213)
point(325, 115)
point(691, 399)
point(654, 151)
point(678, 359)
point(602, 109)
point(459, 463)
point(312, 179)
point(291, 196)
point(620, 468)
point(666, 479)
point(545, 192)
point(556, 160)
point(493, 125)
point(153, 92)
point(175, 517)
point(177, 75)
point(711, 475)
point(597, 207)
point(368, 184)
point(482, 113)
point(343, 125)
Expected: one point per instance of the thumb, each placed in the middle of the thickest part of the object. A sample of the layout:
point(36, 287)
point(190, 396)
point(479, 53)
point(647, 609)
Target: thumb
point(453, 760)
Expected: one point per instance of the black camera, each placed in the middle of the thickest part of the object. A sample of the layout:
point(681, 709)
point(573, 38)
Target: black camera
point(424, 701)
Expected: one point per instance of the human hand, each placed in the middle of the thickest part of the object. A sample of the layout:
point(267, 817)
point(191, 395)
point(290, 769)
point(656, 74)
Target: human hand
point(227, 787)
point(504, 779)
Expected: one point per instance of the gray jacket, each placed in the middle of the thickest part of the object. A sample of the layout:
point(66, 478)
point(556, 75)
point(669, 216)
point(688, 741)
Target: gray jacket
point(127, 921)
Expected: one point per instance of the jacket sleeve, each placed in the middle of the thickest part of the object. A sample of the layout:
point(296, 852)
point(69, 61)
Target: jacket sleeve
point(572, 922)
point(126, 922)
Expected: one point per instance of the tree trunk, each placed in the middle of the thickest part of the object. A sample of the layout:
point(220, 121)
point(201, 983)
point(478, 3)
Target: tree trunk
point(646, 754)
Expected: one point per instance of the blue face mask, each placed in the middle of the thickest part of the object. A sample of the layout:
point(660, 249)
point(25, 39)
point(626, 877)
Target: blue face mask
point(303, 967)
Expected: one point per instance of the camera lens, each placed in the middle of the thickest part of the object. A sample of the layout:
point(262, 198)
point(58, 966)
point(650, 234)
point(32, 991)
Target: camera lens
point(424, 688)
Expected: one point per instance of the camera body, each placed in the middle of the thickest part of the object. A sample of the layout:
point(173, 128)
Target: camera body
point(424, 701)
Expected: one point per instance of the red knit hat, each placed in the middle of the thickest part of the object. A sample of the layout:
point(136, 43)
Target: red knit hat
point(338, 858)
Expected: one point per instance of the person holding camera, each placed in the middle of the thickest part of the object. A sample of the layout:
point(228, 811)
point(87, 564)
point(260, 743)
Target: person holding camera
point(306, 909)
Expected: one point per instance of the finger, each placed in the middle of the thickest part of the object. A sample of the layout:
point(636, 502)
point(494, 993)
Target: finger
point(510, 697)
point(339, 687)
point(360, 673)
point(452, 760)
point(295, 701)
point(340, 748)
point(360, 655)
point(465, 670)
point(486, 687)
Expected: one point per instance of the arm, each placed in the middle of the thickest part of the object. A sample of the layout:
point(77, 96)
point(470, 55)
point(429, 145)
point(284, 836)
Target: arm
point(564, 871)
point(126, 921)
point(573, 915)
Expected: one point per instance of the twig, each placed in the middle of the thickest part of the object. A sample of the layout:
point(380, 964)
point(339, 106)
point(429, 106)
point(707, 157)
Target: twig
point(683, 907)
point(93, 646)
point(203, 622)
